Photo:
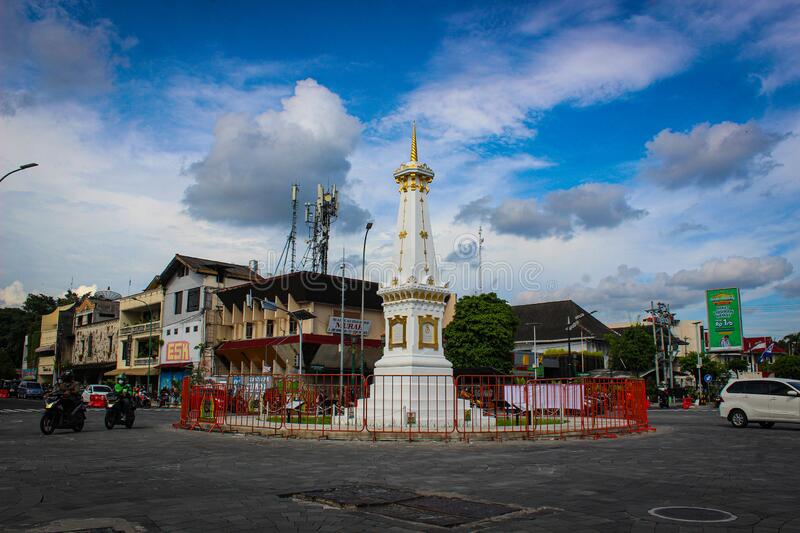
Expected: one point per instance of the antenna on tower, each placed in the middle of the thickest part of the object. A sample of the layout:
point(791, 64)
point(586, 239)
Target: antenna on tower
point(480, 259)
point(293, 234)
point(319, 216)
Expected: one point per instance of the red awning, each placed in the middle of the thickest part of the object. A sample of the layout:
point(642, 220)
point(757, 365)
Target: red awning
point(310, 338)
point(183, 364)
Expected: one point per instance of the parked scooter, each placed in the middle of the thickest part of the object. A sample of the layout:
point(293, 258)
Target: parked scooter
point(141, 399)
point(663, 399)
point(62, 413)
point(121, 410)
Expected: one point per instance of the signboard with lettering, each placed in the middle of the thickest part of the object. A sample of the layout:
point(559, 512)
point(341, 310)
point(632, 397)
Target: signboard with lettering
point(724, 320)
point(178, 351)
point(352, 326)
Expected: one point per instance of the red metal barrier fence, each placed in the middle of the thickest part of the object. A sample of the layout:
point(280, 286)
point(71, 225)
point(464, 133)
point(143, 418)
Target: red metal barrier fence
point(412, 406)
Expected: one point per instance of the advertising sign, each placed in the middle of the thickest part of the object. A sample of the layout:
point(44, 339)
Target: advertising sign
point(352, 326)
point(178, 351)
point(724, 320)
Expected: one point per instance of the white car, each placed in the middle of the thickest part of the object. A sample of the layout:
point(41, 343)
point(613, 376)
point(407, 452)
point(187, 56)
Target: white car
point(95, 389)
point(765, 401)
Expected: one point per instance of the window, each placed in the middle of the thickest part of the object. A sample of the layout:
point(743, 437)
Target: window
point(168, 333)
point(776, 388)
point(756, 387)
point(187, 330)
point(736, 388)
point(89, 319)
point(90, 345)
point(270, 329)
point(248, 330)
point(175, 331)
point(110, 344)
point(195, 328)
point(126, 352)
point(178, 302)
point(220, 276)
point(193, 299)
point(292, 326)
point(83, 347)
point(183, 271)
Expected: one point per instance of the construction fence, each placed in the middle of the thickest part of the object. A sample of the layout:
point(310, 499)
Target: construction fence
point(412, 407)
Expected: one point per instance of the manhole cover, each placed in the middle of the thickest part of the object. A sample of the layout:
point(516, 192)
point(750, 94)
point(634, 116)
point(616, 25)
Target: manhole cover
point(692, 514)
point(406, 505)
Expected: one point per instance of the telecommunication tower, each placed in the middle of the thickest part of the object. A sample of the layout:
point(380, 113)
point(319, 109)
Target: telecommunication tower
point(289, 249)
point(319, 217)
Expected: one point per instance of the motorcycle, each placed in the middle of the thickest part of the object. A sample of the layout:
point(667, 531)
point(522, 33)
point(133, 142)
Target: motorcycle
point(61, 413)
point(120, 411)
point(141, 399)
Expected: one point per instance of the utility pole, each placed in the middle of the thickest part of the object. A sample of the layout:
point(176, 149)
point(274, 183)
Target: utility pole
point(341, 331)
point(480, 259)
point(652, 312)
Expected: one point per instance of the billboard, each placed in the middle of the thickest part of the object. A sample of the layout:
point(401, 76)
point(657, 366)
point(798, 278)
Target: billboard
point(352, 326)
point(724, 320)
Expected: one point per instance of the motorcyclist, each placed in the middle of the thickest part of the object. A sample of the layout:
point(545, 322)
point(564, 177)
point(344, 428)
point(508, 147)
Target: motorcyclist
point(123, 391)
point(70, 391)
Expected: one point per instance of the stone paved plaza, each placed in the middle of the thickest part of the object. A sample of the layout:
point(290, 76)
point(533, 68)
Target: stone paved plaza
point(155, 478)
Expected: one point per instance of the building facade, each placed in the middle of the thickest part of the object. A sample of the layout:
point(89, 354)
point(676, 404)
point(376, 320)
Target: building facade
point(94, 351)
point(139, 338)
point(192, 313)
point(254, 339)
point(55, 343)
point(559, 339)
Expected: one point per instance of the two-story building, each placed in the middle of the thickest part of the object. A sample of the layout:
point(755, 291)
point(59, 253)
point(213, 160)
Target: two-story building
point(192, 313)
point(139, 338)
point(55, 343)
point(258, 339)
point(96, 324)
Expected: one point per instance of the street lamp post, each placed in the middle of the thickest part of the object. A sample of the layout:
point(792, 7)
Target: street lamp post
point(699, 365)
point(21, 167)
point(363, 282)
point(534, 324)
point(572, 324)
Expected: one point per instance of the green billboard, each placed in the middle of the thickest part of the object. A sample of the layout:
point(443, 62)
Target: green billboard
point(724, 320)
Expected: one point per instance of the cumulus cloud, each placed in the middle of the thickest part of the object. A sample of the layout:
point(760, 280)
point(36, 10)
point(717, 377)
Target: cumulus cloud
point(245, 178)
point(709, 155)
point(12, 295)
point(559, 214)
point(43, 46)
point(735, 271)
point(83, 290)
point(629, 290)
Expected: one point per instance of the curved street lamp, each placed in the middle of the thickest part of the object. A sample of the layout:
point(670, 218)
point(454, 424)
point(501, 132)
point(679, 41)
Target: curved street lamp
point(22, 167)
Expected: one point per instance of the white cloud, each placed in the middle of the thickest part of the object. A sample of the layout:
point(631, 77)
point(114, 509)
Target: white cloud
point(790, 288)
point(518, 74)
point(709, 155)
point(246, 177)
point(13, 295)
point(735, 271)
point(82, 290)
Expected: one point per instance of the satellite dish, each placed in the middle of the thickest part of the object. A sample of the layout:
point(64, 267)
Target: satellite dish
point(107, 295)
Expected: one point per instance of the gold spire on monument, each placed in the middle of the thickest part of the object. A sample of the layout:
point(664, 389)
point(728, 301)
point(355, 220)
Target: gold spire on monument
point(414, 141)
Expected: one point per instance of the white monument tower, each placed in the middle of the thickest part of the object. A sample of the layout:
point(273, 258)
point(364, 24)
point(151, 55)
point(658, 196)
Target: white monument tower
point(414, 298)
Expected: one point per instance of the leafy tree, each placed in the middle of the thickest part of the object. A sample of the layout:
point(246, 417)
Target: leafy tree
point(16, 324)
point(481, 333)
point(737, 365)
point(787, 366)
point(790, 343)
point(633, 350)
point(68, 298)
point(39, 304)
point(688, 363)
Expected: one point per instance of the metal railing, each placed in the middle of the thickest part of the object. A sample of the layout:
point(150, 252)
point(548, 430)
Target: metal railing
point(429, 405)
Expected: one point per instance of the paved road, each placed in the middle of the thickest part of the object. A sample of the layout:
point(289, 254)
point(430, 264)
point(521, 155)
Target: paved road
point(155, 478)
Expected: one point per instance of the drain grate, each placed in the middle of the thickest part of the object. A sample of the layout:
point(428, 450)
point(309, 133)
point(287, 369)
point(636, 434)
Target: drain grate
point(693, 514)
point(406, 505)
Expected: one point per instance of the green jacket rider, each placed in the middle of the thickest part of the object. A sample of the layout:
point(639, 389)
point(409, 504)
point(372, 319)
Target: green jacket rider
point(121, 386)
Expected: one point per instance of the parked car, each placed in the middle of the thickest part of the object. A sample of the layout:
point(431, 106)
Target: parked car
point(30, 389)
point(765, 401)
point(105, 390)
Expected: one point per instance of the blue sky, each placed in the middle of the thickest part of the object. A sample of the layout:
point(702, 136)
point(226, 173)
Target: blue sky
point(613, 152)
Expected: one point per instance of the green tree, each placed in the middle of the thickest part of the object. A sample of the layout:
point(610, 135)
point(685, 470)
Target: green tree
point(68, 298)
point(39, 304)
point(481, 333)
point(737, 365)
point(787, 366)
point(633, 350)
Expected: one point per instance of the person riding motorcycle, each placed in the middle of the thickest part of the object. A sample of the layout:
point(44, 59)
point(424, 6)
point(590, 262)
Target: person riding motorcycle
point(70, 390)
point(123, 391)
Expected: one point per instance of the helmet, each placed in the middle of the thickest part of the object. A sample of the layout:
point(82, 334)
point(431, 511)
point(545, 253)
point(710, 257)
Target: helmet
point(67, 376)
point(121, 378)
